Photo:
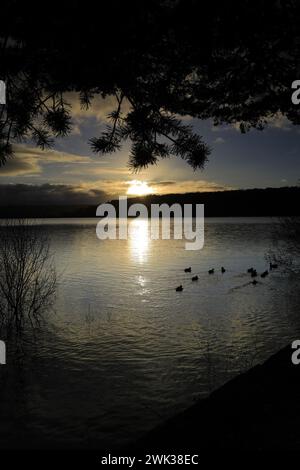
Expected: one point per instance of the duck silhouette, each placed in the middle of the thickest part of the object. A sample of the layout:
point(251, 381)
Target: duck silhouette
point(254, 282)
point(223, 270)
point(250, 270)
point(273, 266)
point(254, 273)
point(195, 278)
point(179, 288)
point(211, 271)
point(188, 270)
point(264, 274)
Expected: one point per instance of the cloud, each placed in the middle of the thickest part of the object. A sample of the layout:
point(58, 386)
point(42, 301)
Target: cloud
point(95, 170)
point(225, 127)
point(116, 188)
point(50, 194)
point(219, 140)
point(29, 161)
point(100, 108)
point(20, 167)
point(185, 186)
point(277, 121)
point(163, 183)
point(113, 187)
point(49, 155)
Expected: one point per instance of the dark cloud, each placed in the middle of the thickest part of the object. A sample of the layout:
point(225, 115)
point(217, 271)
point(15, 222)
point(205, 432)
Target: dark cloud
point(52, 194)
point(16, 167)
point(163, 183)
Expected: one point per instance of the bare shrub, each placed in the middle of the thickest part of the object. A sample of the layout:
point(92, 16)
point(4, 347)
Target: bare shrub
point(27, 274)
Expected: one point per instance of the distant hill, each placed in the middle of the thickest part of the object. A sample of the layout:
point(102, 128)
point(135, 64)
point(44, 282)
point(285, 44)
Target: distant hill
point(235, 203)
point(46, 211)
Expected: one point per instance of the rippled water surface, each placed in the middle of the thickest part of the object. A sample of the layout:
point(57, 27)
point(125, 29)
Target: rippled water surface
point(123, 350)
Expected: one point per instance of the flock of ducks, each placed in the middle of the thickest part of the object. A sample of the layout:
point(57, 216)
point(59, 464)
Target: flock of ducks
point(251, 271)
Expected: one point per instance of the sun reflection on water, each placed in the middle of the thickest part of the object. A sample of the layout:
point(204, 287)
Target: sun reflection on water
point(139, 240)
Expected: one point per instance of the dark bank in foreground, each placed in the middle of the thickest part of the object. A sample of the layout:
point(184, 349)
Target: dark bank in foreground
point(257, 410)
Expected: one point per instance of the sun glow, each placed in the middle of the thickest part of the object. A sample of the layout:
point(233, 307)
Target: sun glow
point(139, 188)
point(139, 239)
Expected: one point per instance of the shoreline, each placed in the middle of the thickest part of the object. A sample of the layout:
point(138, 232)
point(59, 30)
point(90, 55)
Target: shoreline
point(256, 410)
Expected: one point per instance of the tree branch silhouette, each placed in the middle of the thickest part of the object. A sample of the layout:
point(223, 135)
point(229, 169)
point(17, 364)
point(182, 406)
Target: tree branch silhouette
point(232, 62)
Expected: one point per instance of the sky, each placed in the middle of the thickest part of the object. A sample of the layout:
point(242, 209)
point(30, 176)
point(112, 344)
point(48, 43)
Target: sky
point(71, 174)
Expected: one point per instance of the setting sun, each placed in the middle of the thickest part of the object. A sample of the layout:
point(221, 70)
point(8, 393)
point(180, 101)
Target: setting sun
point(139, 188)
